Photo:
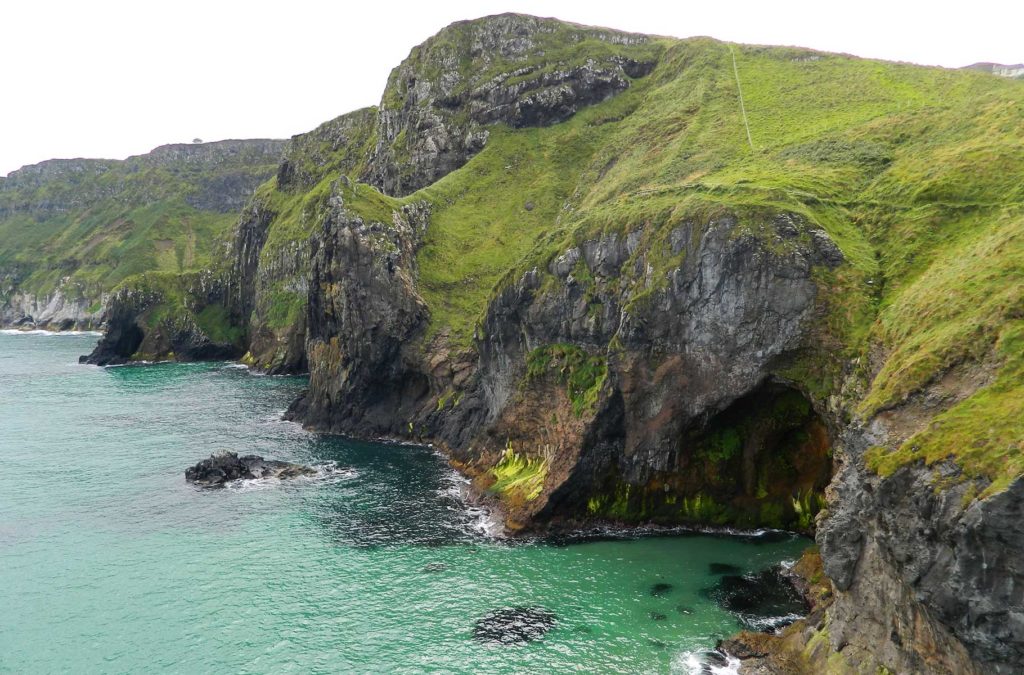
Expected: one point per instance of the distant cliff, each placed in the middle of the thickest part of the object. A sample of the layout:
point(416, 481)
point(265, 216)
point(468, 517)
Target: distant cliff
point(72, 229)
point(567, 258)
point(1015, 71)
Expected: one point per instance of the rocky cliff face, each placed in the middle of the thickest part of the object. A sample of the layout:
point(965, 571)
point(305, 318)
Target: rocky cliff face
point(272, 248)
point(675, 340)
point(158, 317)
point(925, 578)
point(363, 315)
point(56, 311)
point(515, 69)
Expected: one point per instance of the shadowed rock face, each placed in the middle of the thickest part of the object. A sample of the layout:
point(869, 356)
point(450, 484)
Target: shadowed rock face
point(685, 352)
point(363, 313)
point(694, 348)
point(259, 274)
point(132, 335)
point(905, 554)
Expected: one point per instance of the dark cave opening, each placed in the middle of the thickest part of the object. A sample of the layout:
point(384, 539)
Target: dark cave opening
point(128, 340)
point(762, 461)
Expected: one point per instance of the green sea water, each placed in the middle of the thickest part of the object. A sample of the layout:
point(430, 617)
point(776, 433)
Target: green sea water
point(110, 562)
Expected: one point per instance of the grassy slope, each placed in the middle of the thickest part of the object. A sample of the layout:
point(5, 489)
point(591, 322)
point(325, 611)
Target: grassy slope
point(136, 219)
point(916, 172)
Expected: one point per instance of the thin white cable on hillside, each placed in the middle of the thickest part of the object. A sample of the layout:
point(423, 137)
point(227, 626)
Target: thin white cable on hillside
point(743, 108)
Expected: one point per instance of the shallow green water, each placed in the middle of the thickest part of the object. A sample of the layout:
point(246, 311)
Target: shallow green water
point(109, 562)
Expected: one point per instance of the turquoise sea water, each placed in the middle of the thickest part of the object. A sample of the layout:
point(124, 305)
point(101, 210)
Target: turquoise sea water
point(110, 562)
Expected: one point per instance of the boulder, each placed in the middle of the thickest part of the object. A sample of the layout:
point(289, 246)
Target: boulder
point(228, 466)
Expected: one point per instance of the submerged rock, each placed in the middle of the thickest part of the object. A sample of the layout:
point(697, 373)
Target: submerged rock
point(763, 601)
point(717, 568)
point(514, 625)
point(228, 466)
point(435, 567)
point(660, 589)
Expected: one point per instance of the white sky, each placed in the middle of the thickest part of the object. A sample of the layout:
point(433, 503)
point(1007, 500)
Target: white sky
point(110, 79)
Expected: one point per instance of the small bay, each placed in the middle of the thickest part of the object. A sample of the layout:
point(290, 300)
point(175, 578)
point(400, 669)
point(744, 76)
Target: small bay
point(110, 562)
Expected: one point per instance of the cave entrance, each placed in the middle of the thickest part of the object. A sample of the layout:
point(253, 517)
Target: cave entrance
point(764, 460)
point(128, 340)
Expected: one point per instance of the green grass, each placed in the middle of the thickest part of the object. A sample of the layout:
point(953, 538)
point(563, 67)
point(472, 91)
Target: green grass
point(518, 476)
point(489, 214)
point(214, 321)
point(582, 373)
point(333, 148)
point(983, 433)
point(285, 307)
point(955, 309)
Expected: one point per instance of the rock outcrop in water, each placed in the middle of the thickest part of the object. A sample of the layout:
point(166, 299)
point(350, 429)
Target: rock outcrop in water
point(228, 466)
point(158, 317)
point(551, 252)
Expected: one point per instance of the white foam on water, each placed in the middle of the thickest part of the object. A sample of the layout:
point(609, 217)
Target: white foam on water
point(770, 624)
point(276, 419)
point(326, 474)
point(485, 523)
point(49, 333)
point(142, 362)
point(693, 663)
point(482, 521)
point(234, 366)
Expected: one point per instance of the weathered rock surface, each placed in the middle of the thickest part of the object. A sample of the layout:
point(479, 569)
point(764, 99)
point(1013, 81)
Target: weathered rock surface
point(267, 273)
point(474, 73)
point(925, 579)
point(695, 344)
point(364, 311)
point(55, 311)
point(228, 466)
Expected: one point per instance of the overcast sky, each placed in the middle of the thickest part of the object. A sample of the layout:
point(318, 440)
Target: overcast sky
point(112, 79)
